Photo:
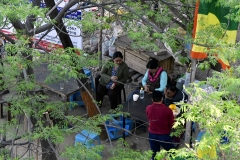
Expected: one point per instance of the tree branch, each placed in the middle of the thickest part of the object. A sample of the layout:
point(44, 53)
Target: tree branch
point(57, 18)
point(30, 19)
point(174, 4)
point(141, 17)
point(7, 37)
point(179, 23)
point(176, 12)
point(59, 26)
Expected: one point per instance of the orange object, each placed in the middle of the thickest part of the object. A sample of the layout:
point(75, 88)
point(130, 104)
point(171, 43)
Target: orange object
point(173, 107)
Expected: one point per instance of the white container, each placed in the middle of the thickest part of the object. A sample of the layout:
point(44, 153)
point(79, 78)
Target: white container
point(105, 48)
point(135, 97)
point(180, 83)
point(93, 43)
point(112, 49)
point(61, 86)
point(187, 80)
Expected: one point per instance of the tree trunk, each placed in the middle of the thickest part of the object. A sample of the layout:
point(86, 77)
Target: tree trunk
point(47, 152)
point(66, 42)
point(60, 29)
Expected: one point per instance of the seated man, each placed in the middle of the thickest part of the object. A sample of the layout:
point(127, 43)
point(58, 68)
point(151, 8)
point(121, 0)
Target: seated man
point(161, 121)
point(172, 95)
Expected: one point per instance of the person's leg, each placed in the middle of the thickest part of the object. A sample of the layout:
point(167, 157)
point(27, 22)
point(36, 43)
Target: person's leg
point(154, 144)
point(169, 142)
point(101, 92)
point(178, 139)
point(130, 96)
point(114, 97)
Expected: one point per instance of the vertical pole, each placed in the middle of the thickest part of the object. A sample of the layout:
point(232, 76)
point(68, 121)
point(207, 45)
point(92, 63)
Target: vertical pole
point(124, 124)
point(27, 120)
point(9, 116)
point(189, 123)
point(1, 110)
point(100, 41)
point(37, 149)
point(193, 70)
point(25, 123)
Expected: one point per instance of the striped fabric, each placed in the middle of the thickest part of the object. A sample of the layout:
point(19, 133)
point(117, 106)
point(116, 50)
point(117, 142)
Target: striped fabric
point(209, 16)
point(114, 73)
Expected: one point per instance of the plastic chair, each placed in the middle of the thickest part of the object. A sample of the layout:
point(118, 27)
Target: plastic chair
point(87, 138)
point(116, 132)
point(88, 73)
point(76, 97)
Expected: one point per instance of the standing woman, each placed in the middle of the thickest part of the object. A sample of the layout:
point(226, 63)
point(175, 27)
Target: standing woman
point(155, 78)
point(110, 76)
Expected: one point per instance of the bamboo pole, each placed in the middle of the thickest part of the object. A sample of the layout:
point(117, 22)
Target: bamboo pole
point(189, 123)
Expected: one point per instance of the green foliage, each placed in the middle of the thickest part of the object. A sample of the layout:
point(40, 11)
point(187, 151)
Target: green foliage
point(129, 154)
point(81, 152)
point(23, 7)
point(216, 112)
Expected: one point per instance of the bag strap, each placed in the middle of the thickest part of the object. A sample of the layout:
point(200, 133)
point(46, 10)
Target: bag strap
point(183, 96)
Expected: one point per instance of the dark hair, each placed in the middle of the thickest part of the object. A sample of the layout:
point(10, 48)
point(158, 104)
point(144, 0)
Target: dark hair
point(157, 96)
point(152, 64)
point(172, 87)
point(117, 54)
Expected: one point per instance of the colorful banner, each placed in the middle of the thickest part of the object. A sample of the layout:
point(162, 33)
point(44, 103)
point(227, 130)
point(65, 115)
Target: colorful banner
point(209, 16)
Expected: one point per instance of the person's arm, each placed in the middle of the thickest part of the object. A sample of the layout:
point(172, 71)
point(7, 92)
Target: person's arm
point(167, 101)
point(185, 98)
point(125, 74)
point(163, 82)
point(104, 72)
point(144, 80)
